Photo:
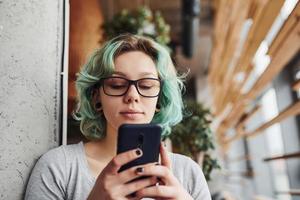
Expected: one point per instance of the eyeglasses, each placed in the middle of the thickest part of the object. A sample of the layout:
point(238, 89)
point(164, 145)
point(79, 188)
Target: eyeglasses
point(118, 86)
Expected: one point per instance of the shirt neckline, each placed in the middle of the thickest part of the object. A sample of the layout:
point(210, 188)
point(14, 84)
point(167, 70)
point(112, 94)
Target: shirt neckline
point(85, 164)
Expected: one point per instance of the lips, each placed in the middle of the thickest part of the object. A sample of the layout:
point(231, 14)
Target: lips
point(131, 114)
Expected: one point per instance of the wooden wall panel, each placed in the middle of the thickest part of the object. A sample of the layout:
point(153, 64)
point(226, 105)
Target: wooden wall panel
point(85, 21)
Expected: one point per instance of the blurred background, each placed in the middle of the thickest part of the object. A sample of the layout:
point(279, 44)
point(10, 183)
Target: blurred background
point(242, 89)
point(244, 64)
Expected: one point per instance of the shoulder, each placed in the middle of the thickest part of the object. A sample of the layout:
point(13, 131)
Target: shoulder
point(59, 154)
point(49, 176)
point(180, 162)
point(57, 161)
point(184, 166)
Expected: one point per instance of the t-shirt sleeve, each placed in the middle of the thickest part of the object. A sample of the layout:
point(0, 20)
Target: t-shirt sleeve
point(197, 184)
point(47, 180)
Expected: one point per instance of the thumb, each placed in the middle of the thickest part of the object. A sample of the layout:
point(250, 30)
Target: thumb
point(165, 160)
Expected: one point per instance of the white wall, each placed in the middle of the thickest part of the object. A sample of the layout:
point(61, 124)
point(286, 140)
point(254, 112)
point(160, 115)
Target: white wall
point(30, 64)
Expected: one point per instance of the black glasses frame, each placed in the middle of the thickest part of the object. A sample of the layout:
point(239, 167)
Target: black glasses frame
point(131, 82)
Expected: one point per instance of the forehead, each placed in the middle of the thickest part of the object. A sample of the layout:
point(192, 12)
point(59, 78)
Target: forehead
point(135, 64)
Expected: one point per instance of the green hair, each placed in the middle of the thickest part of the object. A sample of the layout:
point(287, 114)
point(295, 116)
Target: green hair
point(101, 65)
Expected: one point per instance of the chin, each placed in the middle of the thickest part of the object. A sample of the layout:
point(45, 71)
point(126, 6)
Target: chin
point(135, 122)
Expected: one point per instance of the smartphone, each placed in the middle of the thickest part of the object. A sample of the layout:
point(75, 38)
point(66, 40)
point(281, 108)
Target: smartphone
point(147, 137)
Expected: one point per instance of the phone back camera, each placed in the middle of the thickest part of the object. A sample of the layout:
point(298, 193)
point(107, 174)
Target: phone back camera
point(140, 140)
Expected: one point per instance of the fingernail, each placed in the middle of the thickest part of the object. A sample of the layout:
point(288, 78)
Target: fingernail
point(132, 195)
point(139, 170)
point(138, 152)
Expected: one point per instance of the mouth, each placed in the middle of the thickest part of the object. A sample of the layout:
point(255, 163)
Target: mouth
point(131, 115)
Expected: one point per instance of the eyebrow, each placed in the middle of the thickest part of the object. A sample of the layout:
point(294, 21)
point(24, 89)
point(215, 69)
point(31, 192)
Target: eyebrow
point(141, 74)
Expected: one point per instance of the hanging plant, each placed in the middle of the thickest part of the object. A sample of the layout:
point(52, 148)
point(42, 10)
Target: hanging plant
point(140, 22)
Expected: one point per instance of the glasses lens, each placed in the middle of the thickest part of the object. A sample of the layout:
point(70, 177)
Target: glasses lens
point(148, 87)
point(115, 86)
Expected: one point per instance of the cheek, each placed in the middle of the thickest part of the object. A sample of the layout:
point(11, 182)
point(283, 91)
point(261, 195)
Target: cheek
point(150, 107)
point(108, 105)
point(109, 110)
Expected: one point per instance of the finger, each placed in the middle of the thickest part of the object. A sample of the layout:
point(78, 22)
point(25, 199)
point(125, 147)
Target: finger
point(134, 186)
point(157, 191)
point(131, 173)
point(159, 171)
point(121, 159)
point(165, 160)
point(160, 182)
point(133, 198)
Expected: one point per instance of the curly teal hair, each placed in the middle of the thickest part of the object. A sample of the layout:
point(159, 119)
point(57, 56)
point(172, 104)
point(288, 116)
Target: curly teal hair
point(101, 65)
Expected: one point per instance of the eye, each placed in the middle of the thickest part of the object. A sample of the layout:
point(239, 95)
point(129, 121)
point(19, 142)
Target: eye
point(145, 87)
point(115, 86)
point(116, 83)
point(148, 84)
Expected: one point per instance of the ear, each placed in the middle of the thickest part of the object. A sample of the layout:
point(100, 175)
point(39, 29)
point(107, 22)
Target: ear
point(97, 103)
point(98, 106)
point(95, 94)
point(157, 109)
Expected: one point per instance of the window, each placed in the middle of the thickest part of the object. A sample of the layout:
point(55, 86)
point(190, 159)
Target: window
point(275, 146)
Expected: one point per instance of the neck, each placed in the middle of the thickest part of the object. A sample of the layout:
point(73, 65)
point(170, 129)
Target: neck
point(104, 149)
point(110, 141)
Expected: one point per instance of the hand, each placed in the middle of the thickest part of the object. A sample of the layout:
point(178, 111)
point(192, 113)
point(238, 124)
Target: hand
point(112, 185)
point(169, 187)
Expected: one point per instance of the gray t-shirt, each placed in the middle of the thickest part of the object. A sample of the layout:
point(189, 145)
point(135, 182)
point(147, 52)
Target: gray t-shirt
point(63, 173)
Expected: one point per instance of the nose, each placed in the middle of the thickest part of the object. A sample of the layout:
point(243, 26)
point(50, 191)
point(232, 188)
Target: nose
point(131, 95)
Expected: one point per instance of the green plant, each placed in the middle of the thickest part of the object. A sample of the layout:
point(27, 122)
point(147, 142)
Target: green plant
point(208, 165)
point(193, 136)
point(141, 22)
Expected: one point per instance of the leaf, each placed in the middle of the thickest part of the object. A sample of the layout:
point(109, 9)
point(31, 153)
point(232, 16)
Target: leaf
point(138, 22)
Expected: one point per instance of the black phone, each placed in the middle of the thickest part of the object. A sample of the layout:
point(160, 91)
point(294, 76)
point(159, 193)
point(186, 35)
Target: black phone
point(147, 137)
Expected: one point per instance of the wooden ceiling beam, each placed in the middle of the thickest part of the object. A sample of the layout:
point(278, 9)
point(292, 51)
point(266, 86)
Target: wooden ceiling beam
point(240, 127)
point(285, 156)
point(295, 192)
point(262, 22)
point(279, 59)
point(289, 45)
point(296, 86)
point(237, 19)
point(287, 28)
point(220, 28)
point(292, 110)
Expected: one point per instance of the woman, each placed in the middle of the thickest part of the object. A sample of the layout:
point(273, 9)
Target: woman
point(130, 80)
